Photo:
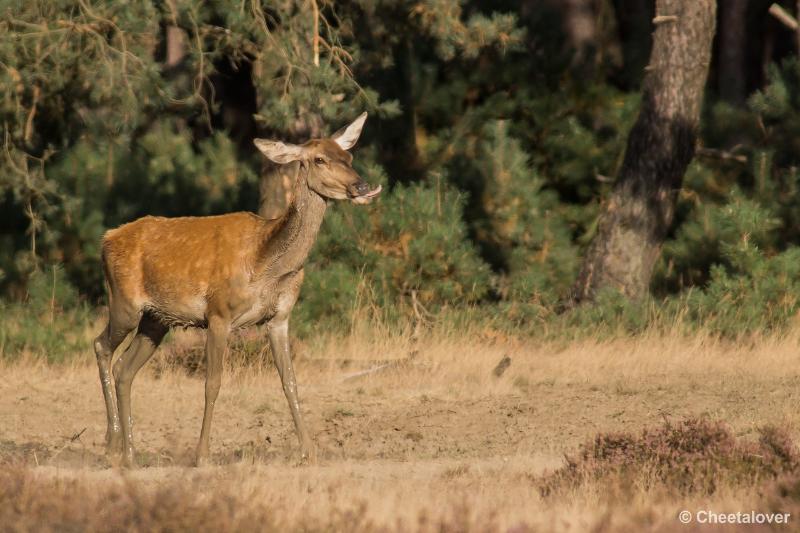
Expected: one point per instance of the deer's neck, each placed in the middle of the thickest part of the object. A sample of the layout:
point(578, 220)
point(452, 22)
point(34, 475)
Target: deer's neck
point(287, 249)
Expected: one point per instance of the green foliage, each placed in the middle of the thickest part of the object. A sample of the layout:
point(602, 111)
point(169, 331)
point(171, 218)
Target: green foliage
point(612, 313)
point(97, 130)
point(442, 20)
point(493, 151)
point(762, 298)
point(580, 137)
point(49, 323)
point(524, 223)
point(779, 107)
point(732, 262)
point(411, 246)
point(733, 234)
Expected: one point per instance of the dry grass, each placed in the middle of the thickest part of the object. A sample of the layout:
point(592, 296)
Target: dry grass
point(437, 444)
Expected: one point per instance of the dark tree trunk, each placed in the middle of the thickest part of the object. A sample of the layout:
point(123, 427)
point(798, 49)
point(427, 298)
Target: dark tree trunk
point(581, 30)
point(401, 133)
point(636, 217)
point(579, 24)
point(732, 58)
point(635, 23)
point(276, 182)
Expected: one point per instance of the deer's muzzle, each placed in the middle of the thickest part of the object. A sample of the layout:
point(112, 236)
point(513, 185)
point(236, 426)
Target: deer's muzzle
point(363, 193)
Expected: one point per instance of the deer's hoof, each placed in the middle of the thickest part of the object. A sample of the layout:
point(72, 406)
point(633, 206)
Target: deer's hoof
point(308, 455)
point(201, 459)
point(124, 455)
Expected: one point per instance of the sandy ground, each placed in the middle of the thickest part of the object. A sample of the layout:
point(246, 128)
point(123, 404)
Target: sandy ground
point(440, 434)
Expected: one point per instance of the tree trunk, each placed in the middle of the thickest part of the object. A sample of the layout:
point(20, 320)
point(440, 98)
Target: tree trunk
point(634, 20)
point(175, 38)
point(176, 46)
point(635, 219)
point(277, 180)
point(581, 30)
point(732, 79)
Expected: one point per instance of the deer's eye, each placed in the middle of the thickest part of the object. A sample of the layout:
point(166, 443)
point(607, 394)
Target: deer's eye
point(319, 161)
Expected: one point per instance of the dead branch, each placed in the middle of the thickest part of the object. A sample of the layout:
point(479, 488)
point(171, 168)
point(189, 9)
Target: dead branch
point(784, 17)
point(399, 363)
point(664, 19)
point(725, 155)
point(315, 38)
point(77, 435)
point(31, 115)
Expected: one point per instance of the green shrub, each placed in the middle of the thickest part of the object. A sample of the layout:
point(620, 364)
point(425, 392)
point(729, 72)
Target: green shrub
point(763, 298)
point(411, 245)
point(611, 312)
point(524, 224)
point(50, 323)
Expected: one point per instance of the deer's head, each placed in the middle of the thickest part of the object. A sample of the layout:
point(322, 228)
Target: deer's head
point(329, 165)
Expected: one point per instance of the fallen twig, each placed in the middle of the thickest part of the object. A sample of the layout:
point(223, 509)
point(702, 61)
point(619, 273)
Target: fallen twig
point(77, 435)
point(344, 362)
point(399, 363)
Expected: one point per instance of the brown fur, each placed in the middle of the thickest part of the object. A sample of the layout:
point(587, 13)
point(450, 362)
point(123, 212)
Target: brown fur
point(162, 264)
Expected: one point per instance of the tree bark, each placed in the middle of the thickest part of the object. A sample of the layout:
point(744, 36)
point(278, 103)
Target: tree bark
point(176, 46)
point(175, 38)
point(635, 219)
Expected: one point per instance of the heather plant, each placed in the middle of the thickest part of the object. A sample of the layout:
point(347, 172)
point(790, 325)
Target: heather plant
point(692, 457)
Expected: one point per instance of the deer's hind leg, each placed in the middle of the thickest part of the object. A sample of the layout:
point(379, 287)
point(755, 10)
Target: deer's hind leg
point(120, 323)
point(216, 345)
point(148, 336)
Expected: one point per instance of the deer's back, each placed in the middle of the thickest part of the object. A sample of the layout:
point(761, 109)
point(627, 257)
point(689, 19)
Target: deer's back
point(176, 265)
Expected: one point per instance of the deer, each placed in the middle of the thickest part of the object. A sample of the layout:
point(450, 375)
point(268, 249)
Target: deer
point(219, 273)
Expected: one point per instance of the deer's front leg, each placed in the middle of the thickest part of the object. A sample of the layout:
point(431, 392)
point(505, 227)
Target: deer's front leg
point(216, 344)
point(279, 342)
point(148, 337)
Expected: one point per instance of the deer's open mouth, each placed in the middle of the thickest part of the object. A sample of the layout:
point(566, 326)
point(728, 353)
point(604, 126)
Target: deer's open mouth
point(365, 195)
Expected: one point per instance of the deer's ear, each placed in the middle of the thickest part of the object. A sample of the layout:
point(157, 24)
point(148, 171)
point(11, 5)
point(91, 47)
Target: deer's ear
point(279, 152)
point(346, 137)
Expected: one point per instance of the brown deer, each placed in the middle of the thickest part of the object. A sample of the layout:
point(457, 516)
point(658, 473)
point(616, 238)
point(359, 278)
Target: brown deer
point(220, 273)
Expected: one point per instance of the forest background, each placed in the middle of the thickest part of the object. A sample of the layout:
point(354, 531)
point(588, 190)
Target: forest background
point(497, 129)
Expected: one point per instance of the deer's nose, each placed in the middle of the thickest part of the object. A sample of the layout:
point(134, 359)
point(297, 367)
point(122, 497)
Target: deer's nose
point(361, 188)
